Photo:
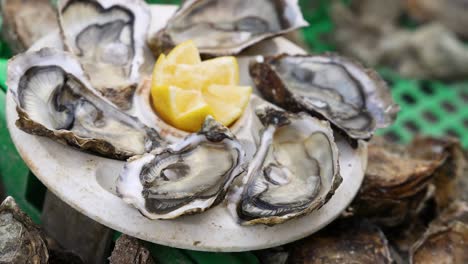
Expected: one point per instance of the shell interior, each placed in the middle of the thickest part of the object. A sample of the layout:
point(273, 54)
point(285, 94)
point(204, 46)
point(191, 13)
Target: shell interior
point(293, 171)
point(186, 177)
point(108, 36)
point(227, 27)
point(55, 99)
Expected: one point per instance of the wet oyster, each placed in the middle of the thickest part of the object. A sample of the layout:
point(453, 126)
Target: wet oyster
point(186, 177)
point(446, 239)
point(21, 241)
point(19, 30)
point(294, 171)
point(54, 99)
point(397, 180)
point(108, 37)
point(353, 99)
point(344, 241)
point(227, 27)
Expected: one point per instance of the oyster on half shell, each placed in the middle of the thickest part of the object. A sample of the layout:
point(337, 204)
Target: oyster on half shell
point(227, 27)
point(108, 37)
point(294, 171)
point(355, 100)
point(55, 99)
point(186, 177)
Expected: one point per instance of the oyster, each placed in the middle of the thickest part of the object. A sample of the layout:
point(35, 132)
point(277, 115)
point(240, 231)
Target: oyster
point(294, 171)
point(397, 180)
point(186, 177)
point(353, 99)
point(108, 37)
point(130, 250)
point(227, 27)
point(450, 13)
point(446, 239)
point(21, 241)
point(55, 99)
point(344, 241)
point(19, 30)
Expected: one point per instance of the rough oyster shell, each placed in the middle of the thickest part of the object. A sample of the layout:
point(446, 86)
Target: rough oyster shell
point(344, 241)
point(294, 171)
point(21, 241)
point(398, 180)
point(19, 30)
point(55, 99)
point(227, 27)
point(186, 177)
point(355, 100)
point(446, 239)
point(108, 37)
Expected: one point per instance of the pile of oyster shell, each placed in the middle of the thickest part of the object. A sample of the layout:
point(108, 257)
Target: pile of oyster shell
point(285, 163)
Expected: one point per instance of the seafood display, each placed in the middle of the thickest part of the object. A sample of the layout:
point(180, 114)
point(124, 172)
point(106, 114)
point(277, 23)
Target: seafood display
point(268, 159)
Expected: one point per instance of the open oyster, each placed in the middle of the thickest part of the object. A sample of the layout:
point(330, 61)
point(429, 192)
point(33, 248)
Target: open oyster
point(353, 99)
point(294, 171)
point(186, 177)
point(108, 36)
point(54, 99)
point(227, 27)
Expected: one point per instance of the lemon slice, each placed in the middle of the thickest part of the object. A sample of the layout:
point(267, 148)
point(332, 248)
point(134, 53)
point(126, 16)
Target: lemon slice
point(227, 101)
point(184, 53)
point(188, 109)
point(222, 70)
point(185, 90)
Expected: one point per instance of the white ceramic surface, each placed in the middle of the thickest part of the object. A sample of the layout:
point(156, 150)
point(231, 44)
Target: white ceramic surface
point(86, 182)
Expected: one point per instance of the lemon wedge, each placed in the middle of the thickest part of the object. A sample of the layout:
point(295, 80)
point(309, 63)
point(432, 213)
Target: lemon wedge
point(185, 89)
point(227, 101)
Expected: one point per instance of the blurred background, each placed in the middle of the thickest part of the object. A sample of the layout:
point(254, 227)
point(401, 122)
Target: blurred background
point(420, 47)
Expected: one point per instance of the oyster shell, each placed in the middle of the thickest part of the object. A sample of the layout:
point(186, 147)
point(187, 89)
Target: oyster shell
point(183, 178)
point(397, 180)
point(227, 27)
point(55, 99)
point(108, 37)
point(19, 30)
point(21, 241)
point(294, 171)
point(344, 241)
point(446, 239)
point(355, 100)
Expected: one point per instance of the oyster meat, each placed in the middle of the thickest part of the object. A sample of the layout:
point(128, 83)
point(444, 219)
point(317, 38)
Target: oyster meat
point(227, 27)
point(186, 177)
point(108, 37)
point(55, 99)
point(293, 172)
point(355, 100)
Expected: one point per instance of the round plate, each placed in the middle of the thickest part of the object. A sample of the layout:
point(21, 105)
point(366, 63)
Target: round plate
point(86, 182)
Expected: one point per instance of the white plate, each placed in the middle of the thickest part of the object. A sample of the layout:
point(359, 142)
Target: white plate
point(86, 182)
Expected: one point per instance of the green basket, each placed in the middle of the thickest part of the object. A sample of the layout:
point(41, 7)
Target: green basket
point(427, 107)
